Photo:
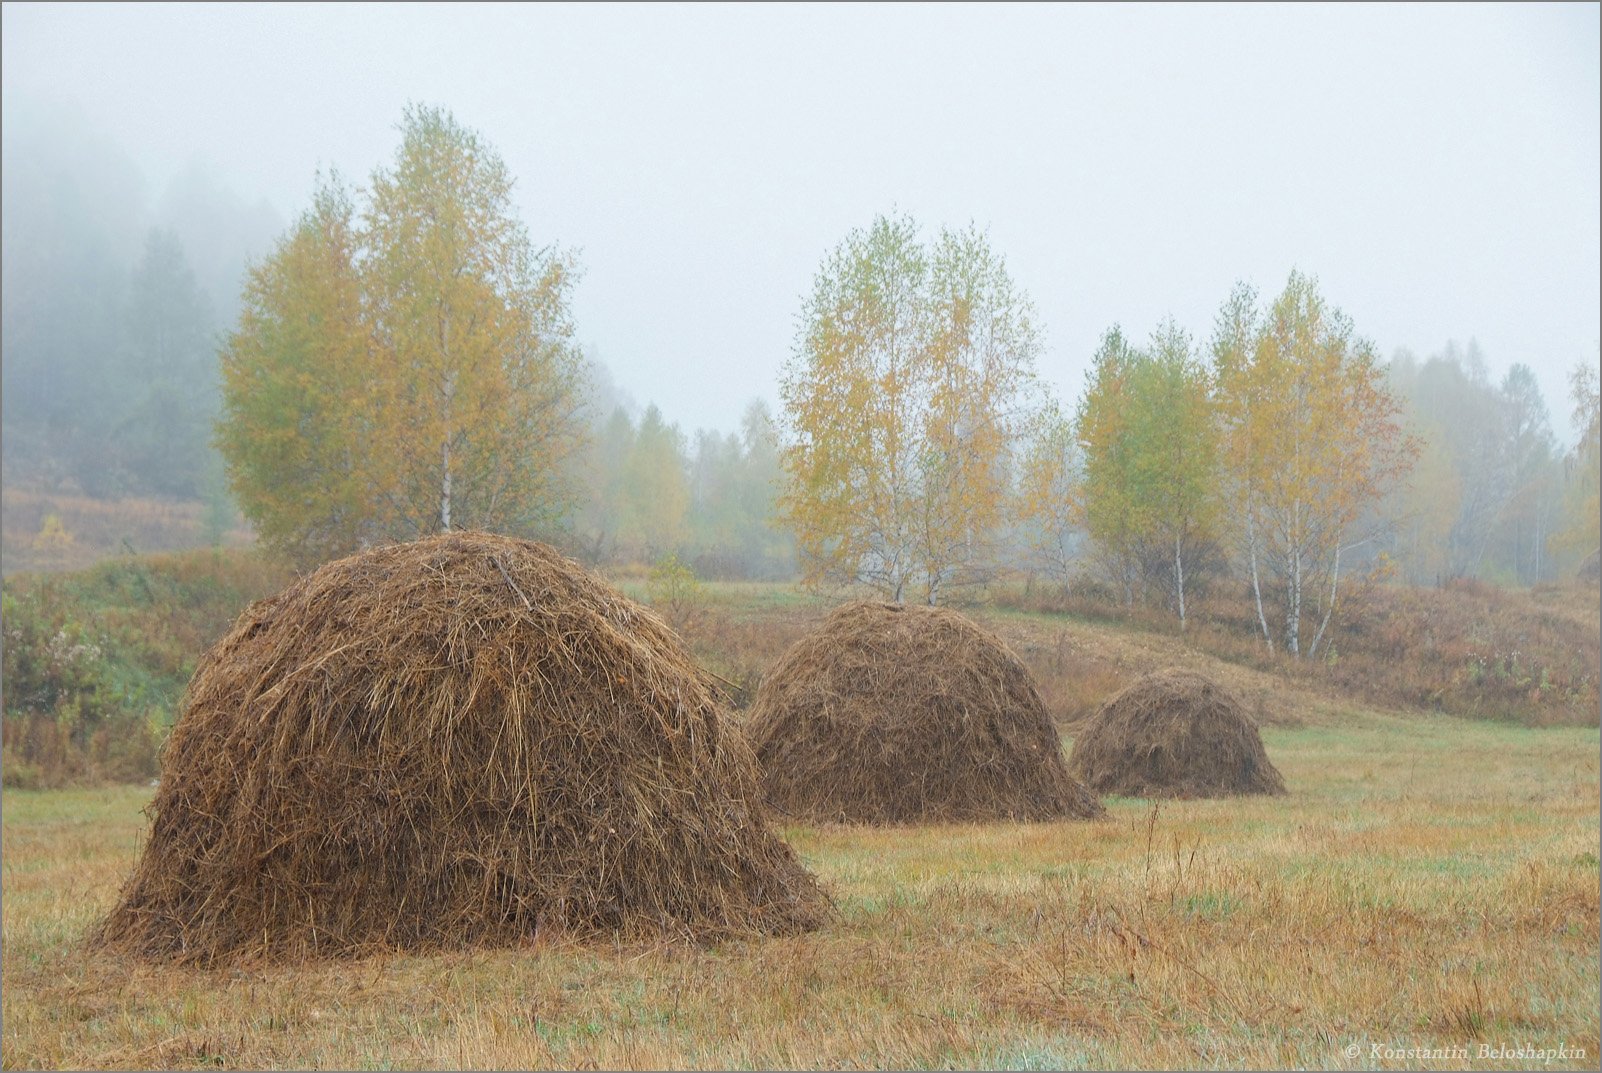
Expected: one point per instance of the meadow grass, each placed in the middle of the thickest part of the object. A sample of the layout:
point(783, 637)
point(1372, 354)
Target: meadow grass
point(1428, 883)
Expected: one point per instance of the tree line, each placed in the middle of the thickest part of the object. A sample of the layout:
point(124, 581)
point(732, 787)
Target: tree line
point(1279, 450)
point(403, 360)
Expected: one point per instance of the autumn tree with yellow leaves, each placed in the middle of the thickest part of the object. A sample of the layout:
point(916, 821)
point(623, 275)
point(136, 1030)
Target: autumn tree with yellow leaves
point(1312, 438)
point(407, 367)
point(912, 372)
point(296, 424)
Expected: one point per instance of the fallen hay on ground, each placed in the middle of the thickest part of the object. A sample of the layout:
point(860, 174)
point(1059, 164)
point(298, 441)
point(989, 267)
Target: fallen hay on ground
point(1174, 733)
point(904, 714)
point(467, 740)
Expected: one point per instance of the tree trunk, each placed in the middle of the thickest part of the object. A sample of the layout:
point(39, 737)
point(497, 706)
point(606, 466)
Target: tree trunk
point(445, 486)
point(1293, 605)
point(448, 393)
point(1257, 586)
point(1179, 580)
point(1334, 580)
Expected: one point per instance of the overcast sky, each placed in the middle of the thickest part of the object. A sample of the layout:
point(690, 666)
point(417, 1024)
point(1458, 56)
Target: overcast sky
point(1436, 167)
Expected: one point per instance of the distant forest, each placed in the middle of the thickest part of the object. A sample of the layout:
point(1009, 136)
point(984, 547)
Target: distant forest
point(118, 295)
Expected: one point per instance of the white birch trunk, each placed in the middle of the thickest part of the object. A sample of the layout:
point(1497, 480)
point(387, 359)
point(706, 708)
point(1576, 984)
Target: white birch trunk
point(1257, 585)
point(1179, 580)
point(1334, 580)
point(1293, 605)
point(449, 394)
point(445, 486)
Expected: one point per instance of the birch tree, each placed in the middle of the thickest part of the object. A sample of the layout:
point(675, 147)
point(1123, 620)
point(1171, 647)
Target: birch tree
point(405, 366)
point(1173, 454)
point(1111, 510)
point(1051, 494)
point(296, 373)
point(478, 392)
point(910, 374)
point(1312, 439)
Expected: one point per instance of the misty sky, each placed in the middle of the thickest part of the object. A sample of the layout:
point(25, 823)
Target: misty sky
point(1436, 167)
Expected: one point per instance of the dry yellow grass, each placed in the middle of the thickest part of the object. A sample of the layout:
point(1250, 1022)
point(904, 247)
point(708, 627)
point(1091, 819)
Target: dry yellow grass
point(1427, 884)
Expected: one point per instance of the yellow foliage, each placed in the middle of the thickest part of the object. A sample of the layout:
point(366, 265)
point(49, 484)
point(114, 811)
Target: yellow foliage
point(903, 395)
point(53, 535)
point(1312, 440)
point(406, 370)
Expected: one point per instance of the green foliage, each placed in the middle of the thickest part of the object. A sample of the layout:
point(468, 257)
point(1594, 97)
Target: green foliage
point(1111, 512)
point(66, 713)
point(1151, 442)
point(656, 496)
point(645, 495)
point(94, 663)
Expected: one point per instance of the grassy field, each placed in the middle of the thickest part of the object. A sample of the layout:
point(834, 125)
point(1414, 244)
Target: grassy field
point(1429, 883)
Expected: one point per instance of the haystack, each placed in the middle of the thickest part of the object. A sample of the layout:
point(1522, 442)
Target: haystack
point(901, 714)
point(467, 740)
point(1174, 733)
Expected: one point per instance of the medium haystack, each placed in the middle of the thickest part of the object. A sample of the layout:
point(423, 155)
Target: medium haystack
point(1174, 733)
point(463, 740)
point(903, 714)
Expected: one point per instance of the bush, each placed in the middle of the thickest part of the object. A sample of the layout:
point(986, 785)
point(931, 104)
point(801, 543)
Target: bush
point(95, 662)
point(65, 718)
point(674, 590)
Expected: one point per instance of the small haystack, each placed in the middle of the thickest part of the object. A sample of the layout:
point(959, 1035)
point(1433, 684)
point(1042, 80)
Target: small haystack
point(905, 714)
point(1174, 733)
point(464, 740)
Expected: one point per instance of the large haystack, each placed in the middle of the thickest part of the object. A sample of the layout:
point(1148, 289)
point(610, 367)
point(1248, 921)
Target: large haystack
point(1174, 733)
point(464, 740)
point(902, 714)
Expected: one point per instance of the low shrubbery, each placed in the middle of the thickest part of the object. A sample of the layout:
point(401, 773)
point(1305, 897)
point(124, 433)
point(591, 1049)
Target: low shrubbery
point(95, 662)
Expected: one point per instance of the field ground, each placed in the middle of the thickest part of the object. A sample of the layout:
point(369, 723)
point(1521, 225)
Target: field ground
point(92, 530)
point(1428, 883)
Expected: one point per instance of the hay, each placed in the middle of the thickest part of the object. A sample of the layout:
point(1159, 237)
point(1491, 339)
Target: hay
point(467, 740)
point(902, 714)
point(1174, 733)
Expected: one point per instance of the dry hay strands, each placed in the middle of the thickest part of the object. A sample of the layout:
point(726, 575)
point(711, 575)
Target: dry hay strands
point(904, 714)
point(466, 740)
point(1174, 733)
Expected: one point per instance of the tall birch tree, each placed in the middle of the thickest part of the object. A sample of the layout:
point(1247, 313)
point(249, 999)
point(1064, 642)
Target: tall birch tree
point(1313, 438)
point(912, 371)
point(404, 366)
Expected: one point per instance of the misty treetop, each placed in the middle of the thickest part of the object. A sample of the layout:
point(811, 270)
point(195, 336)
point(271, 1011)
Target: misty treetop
point(706, 501)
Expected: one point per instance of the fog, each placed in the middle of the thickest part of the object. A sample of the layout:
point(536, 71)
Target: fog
point(1436, 168)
